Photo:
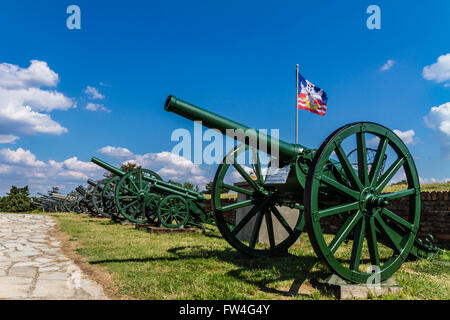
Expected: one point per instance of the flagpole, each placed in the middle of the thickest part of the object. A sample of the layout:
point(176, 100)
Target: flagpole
point(296, 106)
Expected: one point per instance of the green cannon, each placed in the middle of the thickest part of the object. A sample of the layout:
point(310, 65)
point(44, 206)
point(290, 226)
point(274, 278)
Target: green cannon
point(143, 197)
point(342, 184)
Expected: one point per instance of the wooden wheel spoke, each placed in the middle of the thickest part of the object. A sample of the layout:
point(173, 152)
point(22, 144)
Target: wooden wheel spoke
point(378, 161)
point(269, 225)
point(257, 168)
point(339, 187)
point(372, 242)
point(256, 228)
point(394, 237)
point(398, 194)
point(387, 176)
point(165, 214)
point(246, 176)
point(129, 190)
point(137, 211)
point(344, 231)
point(246, 219)
point(362, 158)
point(127, 197)
point(237, 189)
point(338, 209)
point(130, 204)
point(358, 240)
point(134, 184)
point(236, 205)
point(397, 219)
point(280, 218)
point(348, 168)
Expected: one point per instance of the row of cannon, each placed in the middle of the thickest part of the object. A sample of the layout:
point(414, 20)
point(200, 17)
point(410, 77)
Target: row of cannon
point(139, 196)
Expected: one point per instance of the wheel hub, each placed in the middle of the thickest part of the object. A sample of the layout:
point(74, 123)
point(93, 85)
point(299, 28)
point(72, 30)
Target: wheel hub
point(142, 195)
point(369, 199)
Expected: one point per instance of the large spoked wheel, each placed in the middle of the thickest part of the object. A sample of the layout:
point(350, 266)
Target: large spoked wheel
point(371, 241)
point(97, 198)
point(132, 195)
point(109, 200)
point(258, 205)
point(173, 212)
point(88, 201)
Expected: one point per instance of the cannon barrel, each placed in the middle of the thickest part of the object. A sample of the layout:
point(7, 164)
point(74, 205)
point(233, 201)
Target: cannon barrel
point(108, 167)
point(214, 121)
point(81, 190)
point(162, 185)
point(92, 182)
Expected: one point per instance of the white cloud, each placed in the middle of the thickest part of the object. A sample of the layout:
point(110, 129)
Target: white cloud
point(432, 180)
point(406, 136)
point(388, 65)
point(96, 107)
point(77, 165)
point(20, 156)
point(168, 165)
point(24, 106)
point(35, 98)
point(117, 152)
point(21, 167)
point(20, 120)
point(171, 166)
point(36, 75)
point(438, 71)
point(93, 93)
point(8, 138)
point(438, 119)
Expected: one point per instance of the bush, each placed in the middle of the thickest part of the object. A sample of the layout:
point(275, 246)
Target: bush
point(17, 200)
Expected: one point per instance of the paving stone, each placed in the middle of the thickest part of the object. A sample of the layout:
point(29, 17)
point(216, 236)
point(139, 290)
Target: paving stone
point(27, 272)
point(14, 291)
point(53, 289)
point(53, 276)
point(46, 269)
point(32, 265)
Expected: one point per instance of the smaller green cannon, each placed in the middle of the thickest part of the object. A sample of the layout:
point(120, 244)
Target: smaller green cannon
point(50, 204)
point(143, 197)
point(69, 202)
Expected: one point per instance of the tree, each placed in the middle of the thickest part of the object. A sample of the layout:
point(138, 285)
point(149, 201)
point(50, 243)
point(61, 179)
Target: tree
point(208, 188)
point(17, 200)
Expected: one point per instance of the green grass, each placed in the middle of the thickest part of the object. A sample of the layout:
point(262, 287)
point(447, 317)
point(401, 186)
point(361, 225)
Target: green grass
point(197, 266)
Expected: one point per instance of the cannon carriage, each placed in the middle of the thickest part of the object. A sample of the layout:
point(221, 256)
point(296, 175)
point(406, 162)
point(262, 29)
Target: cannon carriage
point(141, 196)
point(344, 181)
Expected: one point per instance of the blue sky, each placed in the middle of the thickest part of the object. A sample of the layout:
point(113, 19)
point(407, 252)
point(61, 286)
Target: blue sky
point(236, 58)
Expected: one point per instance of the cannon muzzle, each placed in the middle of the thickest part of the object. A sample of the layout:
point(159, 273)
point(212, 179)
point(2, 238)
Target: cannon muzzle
point(92, 182)
point(108, 167)
point(229, 127)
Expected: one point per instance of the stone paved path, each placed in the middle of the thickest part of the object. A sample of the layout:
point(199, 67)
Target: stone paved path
point(32, 265)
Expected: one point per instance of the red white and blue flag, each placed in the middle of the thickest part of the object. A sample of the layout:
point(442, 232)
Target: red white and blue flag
point(310, 97)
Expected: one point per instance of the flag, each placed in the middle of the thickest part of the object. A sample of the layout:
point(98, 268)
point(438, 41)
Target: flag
point(310, 97)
